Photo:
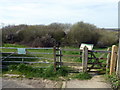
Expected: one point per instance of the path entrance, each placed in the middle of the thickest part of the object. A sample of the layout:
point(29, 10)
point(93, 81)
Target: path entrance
point(97, 81)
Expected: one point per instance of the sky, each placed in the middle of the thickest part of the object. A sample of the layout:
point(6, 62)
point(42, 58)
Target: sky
point(102, 13)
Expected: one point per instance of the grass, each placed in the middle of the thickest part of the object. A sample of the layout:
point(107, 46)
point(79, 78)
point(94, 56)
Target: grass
point(83, 76)
point(30, 72)
point(13, 45)
point(46, 73)
point(114, 80)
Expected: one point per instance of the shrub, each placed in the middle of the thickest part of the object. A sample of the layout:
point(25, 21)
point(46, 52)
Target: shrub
point(114, 80)
point(41, 35)
point(58, 34)
point(83, 33)
point(107, 38)
point(44, 41)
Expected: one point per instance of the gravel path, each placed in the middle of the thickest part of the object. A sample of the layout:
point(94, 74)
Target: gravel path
point(14, 84)
point(96, 82)
point(29, 83)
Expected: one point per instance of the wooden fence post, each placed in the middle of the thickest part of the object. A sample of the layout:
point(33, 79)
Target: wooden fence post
point(60, 56)
point(85, 59)
point(118, 61)
point(108, 59)
point(113, 59)
point(54, 52)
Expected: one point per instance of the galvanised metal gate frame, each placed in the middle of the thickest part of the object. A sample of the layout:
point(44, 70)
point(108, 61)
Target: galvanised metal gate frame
point(27, 52)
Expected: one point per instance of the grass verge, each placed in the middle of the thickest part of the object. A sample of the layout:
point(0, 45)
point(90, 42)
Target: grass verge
point(46, 73)
point(62, 73)
point(114, 80)
point(83, 76)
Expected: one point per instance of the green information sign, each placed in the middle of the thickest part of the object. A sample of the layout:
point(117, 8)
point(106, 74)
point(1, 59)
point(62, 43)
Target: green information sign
point(21, 50)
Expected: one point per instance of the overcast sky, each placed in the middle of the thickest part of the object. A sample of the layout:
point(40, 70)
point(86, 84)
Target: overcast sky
point(102, 13)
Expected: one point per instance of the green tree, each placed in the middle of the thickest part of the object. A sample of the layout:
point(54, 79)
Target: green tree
point(107, 38)
point(83, 33)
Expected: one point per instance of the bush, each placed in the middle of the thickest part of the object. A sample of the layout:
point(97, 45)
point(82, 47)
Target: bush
point(83, 33)
point(10, 33)
point(58, 34)
point(114, 80)
point(107, 38)
point(41, 35)
point(44, 41)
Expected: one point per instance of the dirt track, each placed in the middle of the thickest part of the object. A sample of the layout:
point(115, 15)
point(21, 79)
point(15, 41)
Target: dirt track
point(29, 83)
point(97, 81)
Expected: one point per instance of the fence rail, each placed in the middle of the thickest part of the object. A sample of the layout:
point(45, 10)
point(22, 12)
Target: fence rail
point(58, 52)
point(99, 51)
point(24, 57)
point(38, 53)
point(23, 47)
point(68, 64)
point(70, 49)
point(27, 62)
point(69, 55)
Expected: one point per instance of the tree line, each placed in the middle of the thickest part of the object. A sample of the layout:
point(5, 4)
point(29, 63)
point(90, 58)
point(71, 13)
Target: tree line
point(58, 34)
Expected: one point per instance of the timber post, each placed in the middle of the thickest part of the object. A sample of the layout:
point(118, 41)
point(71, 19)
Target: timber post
point(54, 53)
point(85, 59)
point(108, 59)
point(113, 59)
point(60, 57)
